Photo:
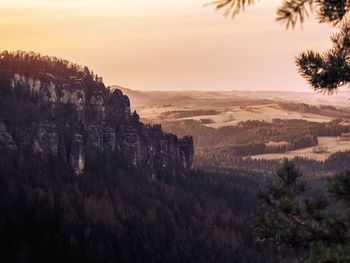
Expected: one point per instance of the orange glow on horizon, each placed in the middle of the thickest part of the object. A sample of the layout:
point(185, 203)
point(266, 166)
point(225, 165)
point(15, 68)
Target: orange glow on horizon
point(164, 44)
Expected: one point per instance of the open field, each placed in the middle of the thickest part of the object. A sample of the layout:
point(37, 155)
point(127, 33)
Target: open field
point(229, 116)
point(231, 107)
point(332, 144)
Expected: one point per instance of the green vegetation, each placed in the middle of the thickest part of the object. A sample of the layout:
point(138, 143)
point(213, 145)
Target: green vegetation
point(187, 113)
point(115, 213)
point(22, 61)
point(304, 225)
point(118, 213)
point(292, 221)
point(255, 137)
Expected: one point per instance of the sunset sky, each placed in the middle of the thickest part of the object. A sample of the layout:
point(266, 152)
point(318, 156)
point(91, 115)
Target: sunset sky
point(165, 44)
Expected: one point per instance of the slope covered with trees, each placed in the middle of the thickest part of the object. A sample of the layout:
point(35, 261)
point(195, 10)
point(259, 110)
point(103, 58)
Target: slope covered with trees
point(305, 229)
point(116, 213)
point(115, 209)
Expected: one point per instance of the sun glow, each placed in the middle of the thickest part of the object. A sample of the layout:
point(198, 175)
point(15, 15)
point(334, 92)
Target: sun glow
point(164, 44)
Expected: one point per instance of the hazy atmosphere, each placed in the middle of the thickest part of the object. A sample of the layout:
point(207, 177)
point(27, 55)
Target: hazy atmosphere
point(169, 131)
point(165, 45)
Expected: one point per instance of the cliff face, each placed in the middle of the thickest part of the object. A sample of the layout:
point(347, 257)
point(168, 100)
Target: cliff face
point(72, 118)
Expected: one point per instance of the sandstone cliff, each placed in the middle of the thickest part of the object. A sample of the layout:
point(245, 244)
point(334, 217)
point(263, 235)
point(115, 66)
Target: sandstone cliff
point(70, 116)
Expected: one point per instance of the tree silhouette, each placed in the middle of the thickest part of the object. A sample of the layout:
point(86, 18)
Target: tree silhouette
point(289, 219)
point(303, 228)
point(232, 7)
point(326, 71)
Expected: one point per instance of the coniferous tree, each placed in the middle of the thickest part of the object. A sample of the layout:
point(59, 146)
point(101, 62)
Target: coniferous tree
point(288, 220)
point(303, 228)
point(324, 71)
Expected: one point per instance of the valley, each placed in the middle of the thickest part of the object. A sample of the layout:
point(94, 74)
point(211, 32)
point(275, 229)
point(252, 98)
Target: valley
point(175, 131)
point(231, 128)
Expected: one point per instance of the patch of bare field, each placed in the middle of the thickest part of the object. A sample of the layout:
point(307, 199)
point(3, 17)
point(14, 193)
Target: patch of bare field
point(262, 113)
point(155, 112)
point(230, 116)
point(329, 144)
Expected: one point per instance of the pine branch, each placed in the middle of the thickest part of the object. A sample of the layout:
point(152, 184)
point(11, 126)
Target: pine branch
point(232, 7)
point(328, 71)
point(332, 11)
point(293, 11)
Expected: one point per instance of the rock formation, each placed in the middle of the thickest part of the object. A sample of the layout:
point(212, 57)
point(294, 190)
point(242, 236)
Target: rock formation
point(77, 156)
point(75, 117)
point(45, 139)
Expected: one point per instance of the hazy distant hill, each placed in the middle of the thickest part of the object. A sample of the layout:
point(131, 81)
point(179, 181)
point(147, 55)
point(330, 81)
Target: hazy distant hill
point(181, 98)
point(268, 119)
point(232, 107)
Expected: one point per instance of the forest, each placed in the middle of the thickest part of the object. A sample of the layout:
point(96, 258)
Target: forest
point(336, 163)
point(116, 209)
point(255, 137)
point(116, 213)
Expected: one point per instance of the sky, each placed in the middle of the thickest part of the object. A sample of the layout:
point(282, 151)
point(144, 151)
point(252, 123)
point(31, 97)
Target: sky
point(165, 44)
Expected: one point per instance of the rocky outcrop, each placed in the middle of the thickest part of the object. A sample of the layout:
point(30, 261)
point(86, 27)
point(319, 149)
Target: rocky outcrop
point(101, 138)
point(75, 118)
point(130, 143)
point(187, 152)
point(77, 156)
point(166, 151)
point(45, 139)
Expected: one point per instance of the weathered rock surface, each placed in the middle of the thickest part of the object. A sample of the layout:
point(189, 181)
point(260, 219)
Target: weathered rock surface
point(75, 118)
point(186, 151)
point(101, 137)
point(77, 156)
point(45, 139)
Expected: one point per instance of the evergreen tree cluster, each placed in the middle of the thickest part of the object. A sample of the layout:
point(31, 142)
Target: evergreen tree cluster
point(29, 61)
point(116, 213)
point(305, 229)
